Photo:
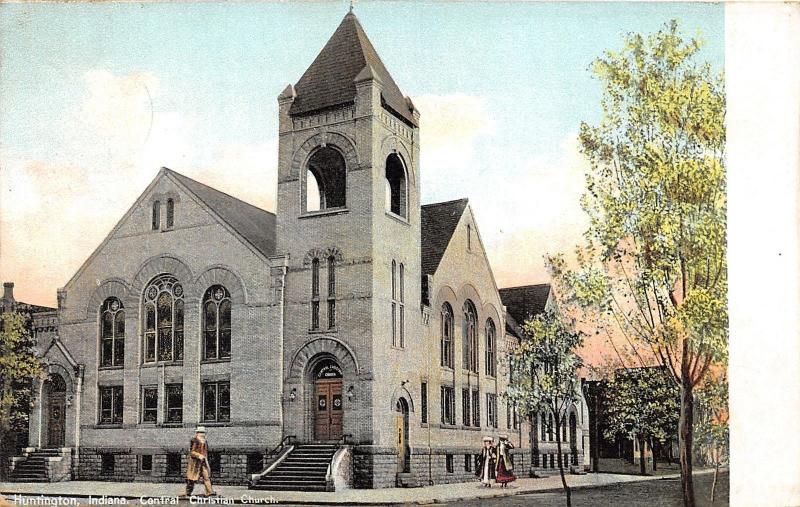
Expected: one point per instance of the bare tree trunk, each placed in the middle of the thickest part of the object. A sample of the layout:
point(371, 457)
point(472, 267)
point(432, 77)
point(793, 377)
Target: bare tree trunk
point(642, 462)
point(714, 482)
point(685, 424)
point(561, 463)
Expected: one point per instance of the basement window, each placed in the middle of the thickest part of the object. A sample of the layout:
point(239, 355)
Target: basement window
point(174, 463)
point(146, 463)
point(449, 463)
point(107, 463)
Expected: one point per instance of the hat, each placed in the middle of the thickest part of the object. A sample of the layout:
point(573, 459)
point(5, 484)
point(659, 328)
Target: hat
point(487, 439)
point(503, 437)
point(200, 429)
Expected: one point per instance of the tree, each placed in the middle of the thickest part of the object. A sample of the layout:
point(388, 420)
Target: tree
point(654, 266)
point(19, 367)
point(545, 365)
point(711, 430)
point(642, 404)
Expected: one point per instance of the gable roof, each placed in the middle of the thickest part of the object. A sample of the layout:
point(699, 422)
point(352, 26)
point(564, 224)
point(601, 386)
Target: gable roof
point(253, 224)
point(526, 301)
point(438, 223)
point(329, 81)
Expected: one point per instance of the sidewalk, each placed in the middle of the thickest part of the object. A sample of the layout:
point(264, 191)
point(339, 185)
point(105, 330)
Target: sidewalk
point(440, 493)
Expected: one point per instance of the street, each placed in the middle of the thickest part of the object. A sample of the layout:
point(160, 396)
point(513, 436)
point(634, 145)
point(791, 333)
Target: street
point(657, 493)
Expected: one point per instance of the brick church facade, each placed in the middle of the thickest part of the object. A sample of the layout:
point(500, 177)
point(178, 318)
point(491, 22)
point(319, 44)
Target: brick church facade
point(353, 316)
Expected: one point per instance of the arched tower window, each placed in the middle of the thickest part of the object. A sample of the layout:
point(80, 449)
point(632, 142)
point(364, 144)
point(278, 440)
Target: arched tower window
point(325, 180)
point(112, 333)
point(396, 186)
point(170, 212)
point(491, 348)
point(163, 320)
point(315, 293)
point(156, 215)
point(470, 337)
point(447, 336)
point(331, 292)
point(217, 323)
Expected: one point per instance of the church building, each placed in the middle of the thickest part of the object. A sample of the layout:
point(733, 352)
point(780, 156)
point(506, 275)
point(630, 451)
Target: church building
point(353, 338)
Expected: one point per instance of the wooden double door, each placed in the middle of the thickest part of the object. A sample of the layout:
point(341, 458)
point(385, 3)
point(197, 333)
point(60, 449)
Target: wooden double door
point(56, 420)
point(329, 409)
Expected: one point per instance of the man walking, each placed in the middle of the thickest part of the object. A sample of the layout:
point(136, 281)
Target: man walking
point(198, 463)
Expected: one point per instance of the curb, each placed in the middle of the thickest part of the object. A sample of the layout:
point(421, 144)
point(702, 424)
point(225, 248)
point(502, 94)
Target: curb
point(222, 500)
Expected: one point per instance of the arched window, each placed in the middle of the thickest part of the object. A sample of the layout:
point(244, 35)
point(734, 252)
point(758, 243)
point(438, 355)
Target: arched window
point(163, 320)
point(550, 427)
point(447, 336)
point(325, 180)
point(170, 213)
point(112, 333)
point(470, 337)
point(315, 293)
point(331, 292)
point(156, 215)
point(394, 303)
point(491, 344)
point(217, 323)
point(396, 186)
point(543, 420)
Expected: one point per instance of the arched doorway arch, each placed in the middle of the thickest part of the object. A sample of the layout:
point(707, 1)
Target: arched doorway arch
point(401, 428)
point(55, 397)
point(327, 404)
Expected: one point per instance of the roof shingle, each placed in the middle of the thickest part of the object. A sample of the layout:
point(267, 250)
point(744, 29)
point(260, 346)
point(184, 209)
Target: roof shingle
point(438, 222)
point(329, 80)
point(255, 225)
point(526, 301)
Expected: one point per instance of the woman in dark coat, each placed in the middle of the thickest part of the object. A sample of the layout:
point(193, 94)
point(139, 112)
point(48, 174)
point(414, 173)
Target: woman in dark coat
point(505, 468)
point(486, 463)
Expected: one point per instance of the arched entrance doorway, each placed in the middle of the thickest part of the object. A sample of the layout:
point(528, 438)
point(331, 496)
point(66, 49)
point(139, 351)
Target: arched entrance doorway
point(401, 429)
point(55, 392)
point(328, 408)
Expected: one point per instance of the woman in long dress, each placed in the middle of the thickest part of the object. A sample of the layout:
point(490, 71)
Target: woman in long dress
point(486, 463)
point(505, 468)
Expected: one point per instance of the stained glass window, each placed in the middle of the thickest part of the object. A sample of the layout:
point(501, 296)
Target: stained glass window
point(217, 323)
point(112, 333)
point(163, 320)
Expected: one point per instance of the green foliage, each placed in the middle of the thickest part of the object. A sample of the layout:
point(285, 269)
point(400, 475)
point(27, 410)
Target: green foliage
point(19, 366)
point(711, 431)
point(642, 403)
point(655, 266)
point(544, 366)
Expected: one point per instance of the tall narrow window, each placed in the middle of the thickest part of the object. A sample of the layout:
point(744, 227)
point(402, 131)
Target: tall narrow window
point(491, 344)
point(156, 215)
point(447, 336)
point(111, 402)
point(112, 333)
point(466, 413)
point(402, 308)
point(476, 408)
point(315, 294)
point(149, 404)
point(394, 304)
point(469, 237)
point(396, 187)
point(423, 396)
point(170, 213)
point(217, 323)
point(491, 410)
point(163, 320)
point(448, 405)
point(331, 292)
point(174, 395)
point(550, 427)
point(470, 337)
point(543, 420)
point(216, 402)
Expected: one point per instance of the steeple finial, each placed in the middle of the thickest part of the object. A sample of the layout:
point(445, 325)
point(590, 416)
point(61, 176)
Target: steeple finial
point(351, 6)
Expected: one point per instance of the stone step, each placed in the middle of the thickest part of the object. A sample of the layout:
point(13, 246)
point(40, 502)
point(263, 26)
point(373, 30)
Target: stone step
point(278, 487)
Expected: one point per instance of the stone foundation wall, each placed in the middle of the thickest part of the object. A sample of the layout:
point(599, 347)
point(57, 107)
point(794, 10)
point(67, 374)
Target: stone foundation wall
point(129, 465)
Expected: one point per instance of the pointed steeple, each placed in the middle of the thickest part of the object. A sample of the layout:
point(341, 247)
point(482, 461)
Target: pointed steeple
point(347, 57)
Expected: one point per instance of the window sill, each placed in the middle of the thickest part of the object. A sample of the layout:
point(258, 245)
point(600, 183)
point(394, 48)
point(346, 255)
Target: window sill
point(322, 331)
point(470, 428)
point(324, 212)
point(219, 360)
point(215, 424)
point(447, 369)
point(106, 426)
point(149, 424)
point(110, 368)
point(444, 426)
point(398, 218)
point(151, 364)
point(171, 425)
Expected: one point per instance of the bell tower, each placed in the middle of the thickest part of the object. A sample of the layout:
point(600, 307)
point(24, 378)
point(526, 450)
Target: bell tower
point(348, 216)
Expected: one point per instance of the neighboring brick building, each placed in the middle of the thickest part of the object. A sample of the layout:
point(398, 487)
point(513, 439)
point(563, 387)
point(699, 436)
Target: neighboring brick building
point(352, 315)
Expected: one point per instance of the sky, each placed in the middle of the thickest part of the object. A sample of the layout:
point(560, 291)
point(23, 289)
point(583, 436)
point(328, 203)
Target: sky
point(95, 98)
